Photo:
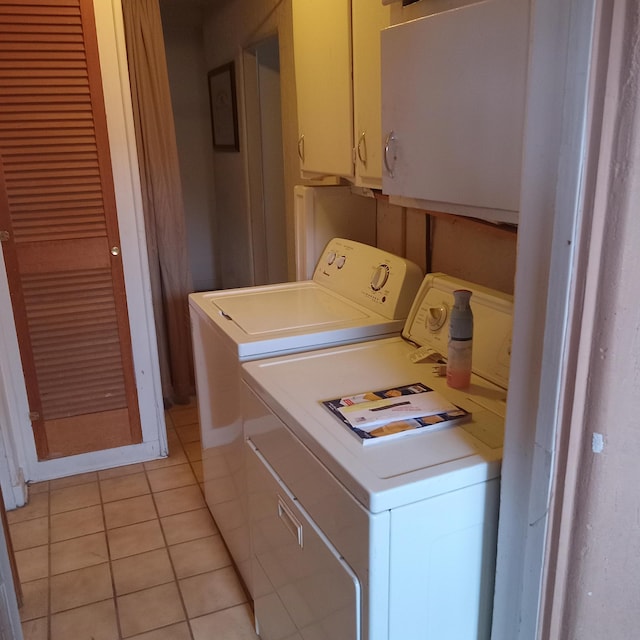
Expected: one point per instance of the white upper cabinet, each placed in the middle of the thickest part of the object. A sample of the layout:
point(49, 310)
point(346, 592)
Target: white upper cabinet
point(453, 99)
point(322, 55)
point(369, 18)
point(339, 119)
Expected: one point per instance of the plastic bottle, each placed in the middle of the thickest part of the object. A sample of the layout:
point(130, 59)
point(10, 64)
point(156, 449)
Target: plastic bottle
point(460, 346)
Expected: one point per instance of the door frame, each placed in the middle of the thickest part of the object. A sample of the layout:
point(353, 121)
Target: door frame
point(560, 129)
point(254, 113)
point(17, 435)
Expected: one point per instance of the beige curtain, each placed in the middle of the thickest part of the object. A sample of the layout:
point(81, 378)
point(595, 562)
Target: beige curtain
point(162, 195)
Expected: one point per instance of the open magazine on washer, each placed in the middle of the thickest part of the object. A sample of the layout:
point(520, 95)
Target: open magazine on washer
point(376, 416)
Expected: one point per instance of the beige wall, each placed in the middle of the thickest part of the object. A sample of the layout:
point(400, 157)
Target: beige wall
point(182, 27)
point(475, 251)
point(227, 30)
point(469, 249)
point(596, 542)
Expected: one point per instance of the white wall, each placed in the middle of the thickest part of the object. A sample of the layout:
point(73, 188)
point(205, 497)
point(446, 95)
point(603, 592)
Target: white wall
point(183, 39)
point(272, 162)
point(227, 30)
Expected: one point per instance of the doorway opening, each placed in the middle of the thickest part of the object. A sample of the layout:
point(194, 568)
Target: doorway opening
point(265, 163)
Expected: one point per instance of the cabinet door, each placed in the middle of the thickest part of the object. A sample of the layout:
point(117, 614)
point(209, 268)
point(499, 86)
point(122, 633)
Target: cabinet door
point(453, 105)
point(322, 54)
point(369, 18)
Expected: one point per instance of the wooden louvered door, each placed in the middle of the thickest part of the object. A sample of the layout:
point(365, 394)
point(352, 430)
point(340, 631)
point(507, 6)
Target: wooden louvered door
point(60, 235)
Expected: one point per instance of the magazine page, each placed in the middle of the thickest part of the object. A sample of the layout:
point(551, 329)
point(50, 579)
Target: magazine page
point(391, 413)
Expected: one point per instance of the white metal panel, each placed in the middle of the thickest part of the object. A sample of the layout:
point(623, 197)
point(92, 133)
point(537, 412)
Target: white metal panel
point(427, 516)
point(380, 476)
point(453, 95)
point(262, 312)
point(492, 321)
point(360, 537)
point(217, 373)
point(234, 325)
point(347, 308)
point(323, 213)
point(310, 336)
point(306, 585)
point(385, 475)
point(442, 565)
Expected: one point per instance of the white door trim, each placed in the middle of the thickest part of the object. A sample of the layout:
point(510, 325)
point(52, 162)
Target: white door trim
point(557, 132)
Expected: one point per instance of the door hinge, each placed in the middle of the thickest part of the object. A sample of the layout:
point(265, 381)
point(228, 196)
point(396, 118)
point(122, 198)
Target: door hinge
point(34, 416)
point(4, 236)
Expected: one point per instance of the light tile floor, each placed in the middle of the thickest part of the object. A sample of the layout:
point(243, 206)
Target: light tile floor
point(130, 552)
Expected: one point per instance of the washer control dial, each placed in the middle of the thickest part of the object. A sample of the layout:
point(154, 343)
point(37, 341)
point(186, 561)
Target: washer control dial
point(331, 257)
point(436, 317)
point(380, 277)
point(340, 262)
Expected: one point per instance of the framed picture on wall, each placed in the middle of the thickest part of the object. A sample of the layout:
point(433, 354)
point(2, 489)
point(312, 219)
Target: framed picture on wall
point(224, 110)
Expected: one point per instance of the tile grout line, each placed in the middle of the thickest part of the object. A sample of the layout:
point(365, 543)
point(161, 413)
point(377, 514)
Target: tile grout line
point(106, 540)
point(178, 445)
point(201, 488)
point(166, 544)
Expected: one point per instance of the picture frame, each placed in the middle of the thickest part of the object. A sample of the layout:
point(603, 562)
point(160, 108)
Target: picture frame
point(224, 108)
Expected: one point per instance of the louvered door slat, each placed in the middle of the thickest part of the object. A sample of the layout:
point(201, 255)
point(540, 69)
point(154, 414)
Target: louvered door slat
point(81, 348)
point(60, 210)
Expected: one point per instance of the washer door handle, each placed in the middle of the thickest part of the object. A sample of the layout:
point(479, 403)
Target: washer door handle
point(290, 521)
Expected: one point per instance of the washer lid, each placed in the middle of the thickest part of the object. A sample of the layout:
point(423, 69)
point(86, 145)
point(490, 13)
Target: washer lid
point(284, 318)
point(259, 312)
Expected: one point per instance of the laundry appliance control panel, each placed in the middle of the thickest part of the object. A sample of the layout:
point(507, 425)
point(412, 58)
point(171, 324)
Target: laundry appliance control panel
point(369, 276)
point(428, 324)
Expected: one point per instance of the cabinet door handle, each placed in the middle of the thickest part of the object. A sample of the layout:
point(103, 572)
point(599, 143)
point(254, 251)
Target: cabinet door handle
point(390, 153)
point(301, 147)
point(362, 148)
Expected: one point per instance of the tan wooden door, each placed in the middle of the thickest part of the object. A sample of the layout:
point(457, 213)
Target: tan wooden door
point(59, 230)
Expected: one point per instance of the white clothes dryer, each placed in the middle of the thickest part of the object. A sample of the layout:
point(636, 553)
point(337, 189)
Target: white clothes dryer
point(358, 292)
point(388, 539)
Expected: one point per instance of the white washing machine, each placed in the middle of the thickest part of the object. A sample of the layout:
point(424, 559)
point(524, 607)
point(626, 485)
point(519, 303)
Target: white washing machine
point(392, 539)
point(357, 292)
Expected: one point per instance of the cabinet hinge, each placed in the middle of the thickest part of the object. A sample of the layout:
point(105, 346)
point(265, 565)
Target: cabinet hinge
point(34, 416)
point(4, 236)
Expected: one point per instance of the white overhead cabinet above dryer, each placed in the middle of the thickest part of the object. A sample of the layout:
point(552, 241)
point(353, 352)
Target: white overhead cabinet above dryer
point(453, 99)
point(337, 68)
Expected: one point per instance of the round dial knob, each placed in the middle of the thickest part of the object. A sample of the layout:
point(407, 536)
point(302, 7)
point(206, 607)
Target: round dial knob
point(436, 317)
point(331, 257)
point(380, 277)
point(340, 262)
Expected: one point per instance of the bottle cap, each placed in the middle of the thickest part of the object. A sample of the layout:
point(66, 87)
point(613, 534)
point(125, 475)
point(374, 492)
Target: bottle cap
point(461, 298)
